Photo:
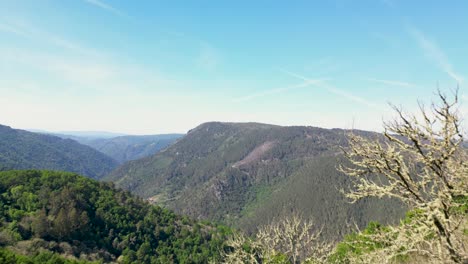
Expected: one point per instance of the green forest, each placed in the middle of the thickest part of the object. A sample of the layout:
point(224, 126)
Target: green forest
point(244, 174)
point(20, 149)
point(45, 212)
point(125, 148)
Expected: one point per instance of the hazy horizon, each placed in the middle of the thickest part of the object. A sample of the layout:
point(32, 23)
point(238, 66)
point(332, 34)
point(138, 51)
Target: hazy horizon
point(110, 134)
point(151, 67)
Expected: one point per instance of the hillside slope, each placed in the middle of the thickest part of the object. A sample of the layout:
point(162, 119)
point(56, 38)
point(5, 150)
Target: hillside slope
point(245, 174)
point(126, 148)
point(80, 218)
point(21, 149)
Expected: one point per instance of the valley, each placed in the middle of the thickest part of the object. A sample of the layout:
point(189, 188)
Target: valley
point(232, 132)
point(20, 149)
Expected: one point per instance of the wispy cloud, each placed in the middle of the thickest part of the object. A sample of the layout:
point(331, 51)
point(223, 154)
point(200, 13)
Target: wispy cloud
point(392, 82)
point(105, 6)
point(434, 52)
point(10, 29)
point(277, 90)
point(78, 75)
point(324, 66)
point(68, 70)
point(75, 65)
point(350, 96)
point(29, 32)
point(335, 90)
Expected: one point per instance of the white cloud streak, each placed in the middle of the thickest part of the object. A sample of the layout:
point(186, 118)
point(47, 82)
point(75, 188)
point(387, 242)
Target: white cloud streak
point(350, 96)
point(107, 7)
point(208, 57)
point(392, 82)
point(29, 32)
point(277, 91)
point(10, 29)
point(432, 51)
point(336, 91)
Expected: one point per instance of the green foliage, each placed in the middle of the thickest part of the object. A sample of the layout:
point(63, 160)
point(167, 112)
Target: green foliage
point(357, 243)
point(67, 213)
point(21, 149)
point(361, 243)
point(8, 256)
point(462, 207)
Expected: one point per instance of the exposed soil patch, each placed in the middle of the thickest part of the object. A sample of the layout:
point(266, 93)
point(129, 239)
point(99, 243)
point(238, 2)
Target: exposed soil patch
point(255, 154)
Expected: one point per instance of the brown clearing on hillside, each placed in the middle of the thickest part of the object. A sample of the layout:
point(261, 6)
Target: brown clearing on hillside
point(255, 154)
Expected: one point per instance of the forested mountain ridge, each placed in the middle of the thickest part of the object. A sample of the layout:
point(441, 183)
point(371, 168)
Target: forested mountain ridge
point(126, 147)
point(245, 174)
point(80, 218)
point(20, 149)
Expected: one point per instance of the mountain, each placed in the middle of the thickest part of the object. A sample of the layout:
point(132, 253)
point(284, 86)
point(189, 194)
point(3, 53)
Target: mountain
point(21, 149)
point(125, 148)
point(121, 147)
point(54, 215)
point(246, 174)
point(91, 134)
point(79, 134)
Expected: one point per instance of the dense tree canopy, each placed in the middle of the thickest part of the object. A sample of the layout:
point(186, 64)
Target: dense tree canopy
point(245, 174)
point(82, 218)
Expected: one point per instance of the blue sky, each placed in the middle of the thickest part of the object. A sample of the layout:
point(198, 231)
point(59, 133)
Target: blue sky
point(146, 67)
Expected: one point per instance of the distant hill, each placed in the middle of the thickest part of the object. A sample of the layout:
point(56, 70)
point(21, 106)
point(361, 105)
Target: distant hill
point(60, 217)
point(123, 147)
point(21, 149)
point(79, 134)
point(245, 174)
point(126, 148)
point(92, 134)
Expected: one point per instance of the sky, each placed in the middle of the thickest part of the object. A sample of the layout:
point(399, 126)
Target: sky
point(149, 67)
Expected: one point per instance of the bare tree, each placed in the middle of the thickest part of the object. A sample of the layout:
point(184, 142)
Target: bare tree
point(293, 237)
point(423, 163)
point(242, 249)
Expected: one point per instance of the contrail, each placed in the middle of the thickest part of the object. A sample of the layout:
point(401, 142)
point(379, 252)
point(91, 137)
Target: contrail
point(277, 90)
point(334, 90)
